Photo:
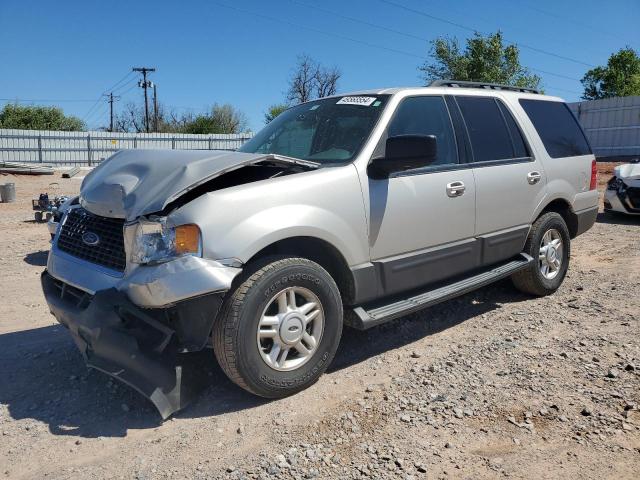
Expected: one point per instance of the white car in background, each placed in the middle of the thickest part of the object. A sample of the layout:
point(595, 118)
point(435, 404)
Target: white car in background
point(623, 190)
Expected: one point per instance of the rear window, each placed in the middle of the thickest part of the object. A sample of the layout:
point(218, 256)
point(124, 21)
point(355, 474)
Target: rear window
point(558, 128)
point(488, 133)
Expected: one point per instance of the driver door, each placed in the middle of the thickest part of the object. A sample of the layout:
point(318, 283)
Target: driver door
point(422, 221)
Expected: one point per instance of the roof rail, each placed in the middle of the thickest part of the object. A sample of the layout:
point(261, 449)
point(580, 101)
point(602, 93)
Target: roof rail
point(488, 86)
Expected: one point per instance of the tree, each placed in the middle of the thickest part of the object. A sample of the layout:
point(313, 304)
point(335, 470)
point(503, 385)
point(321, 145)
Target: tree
point(34, 117)
point(274, 111)
point(484, 59)
point(221, 119)
point(311, 80)
point(620, 78)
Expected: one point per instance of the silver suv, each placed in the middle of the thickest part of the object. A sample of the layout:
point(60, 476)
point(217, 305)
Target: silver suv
point(355, 210)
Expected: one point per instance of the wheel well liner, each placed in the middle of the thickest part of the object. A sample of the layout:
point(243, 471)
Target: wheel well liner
point(319, 251)
point(563, 208)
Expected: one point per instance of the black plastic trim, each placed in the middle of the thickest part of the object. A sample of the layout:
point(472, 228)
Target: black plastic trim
point(366, 283)
point(586, 219)
point(502, 245)
point(415, 269)
point(505, 161)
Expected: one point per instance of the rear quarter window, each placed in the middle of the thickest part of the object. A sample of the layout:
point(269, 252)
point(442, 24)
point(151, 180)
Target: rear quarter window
point(557, 127)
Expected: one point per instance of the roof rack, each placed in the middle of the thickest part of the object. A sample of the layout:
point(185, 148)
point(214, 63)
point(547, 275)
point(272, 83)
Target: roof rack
point(488, 86)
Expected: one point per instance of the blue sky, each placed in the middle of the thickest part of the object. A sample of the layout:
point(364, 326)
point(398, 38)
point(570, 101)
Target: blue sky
point(206, 53)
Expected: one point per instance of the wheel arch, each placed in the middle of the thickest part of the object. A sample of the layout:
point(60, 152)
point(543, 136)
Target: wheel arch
point(563, 208)
point(319, 251)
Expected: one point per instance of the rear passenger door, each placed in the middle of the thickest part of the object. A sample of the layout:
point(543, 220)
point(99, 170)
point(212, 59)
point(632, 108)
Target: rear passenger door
point(510, 181)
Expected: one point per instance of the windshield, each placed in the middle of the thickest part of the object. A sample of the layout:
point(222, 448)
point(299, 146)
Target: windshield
point(330, 130)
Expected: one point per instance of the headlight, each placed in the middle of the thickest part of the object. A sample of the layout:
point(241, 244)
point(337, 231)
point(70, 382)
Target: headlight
point(156, 242)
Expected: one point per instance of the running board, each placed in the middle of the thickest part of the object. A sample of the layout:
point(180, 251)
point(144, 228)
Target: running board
point(379, 314)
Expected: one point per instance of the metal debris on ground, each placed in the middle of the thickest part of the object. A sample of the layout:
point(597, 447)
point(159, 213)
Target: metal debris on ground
point(25, 168)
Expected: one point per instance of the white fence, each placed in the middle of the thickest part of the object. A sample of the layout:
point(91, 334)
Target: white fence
point(90, 148)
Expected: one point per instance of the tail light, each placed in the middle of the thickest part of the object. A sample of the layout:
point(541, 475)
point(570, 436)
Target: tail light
point(594, 176)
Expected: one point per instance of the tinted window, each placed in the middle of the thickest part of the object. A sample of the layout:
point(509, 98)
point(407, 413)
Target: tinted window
point(557, 127)
point(427, 116)
point(519, 147)
point(490, 139)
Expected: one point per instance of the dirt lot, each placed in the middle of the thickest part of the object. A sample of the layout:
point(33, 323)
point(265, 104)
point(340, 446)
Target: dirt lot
point(494, 384)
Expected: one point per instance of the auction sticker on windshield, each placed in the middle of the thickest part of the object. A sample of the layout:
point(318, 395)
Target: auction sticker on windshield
point(364, 101)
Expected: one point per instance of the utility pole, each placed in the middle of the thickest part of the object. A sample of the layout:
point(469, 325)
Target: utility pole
point(111, 98)
point(155, 107)
point(145, 84)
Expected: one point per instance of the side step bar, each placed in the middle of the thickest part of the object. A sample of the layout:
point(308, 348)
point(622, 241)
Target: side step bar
point(378, 314)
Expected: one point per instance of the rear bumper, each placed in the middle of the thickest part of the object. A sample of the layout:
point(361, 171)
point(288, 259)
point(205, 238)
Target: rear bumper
point(138, 347)
point(586, 218)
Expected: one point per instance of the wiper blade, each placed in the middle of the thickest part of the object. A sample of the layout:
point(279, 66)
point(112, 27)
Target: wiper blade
point(274, 157)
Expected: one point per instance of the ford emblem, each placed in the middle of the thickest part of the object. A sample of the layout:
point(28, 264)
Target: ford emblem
point(90, 238)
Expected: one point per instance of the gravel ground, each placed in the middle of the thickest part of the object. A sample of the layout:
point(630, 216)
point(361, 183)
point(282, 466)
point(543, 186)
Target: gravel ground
point(493, 384)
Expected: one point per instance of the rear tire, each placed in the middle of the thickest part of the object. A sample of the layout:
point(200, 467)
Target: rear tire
point(279, 330)
point(549, 245)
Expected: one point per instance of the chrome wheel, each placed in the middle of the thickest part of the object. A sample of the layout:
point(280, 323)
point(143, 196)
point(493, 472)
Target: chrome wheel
point(290, 328)
point(551, 251)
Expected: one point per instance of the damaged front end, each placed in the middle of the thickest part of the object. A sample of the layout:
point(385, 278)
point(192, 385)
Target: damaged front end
point(136, 289)
point(139, 347)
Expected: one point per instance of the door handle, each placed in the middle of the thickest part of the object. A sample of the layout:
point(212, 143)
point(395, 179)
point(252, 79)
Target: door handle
point(533, 177)
point(455, 189)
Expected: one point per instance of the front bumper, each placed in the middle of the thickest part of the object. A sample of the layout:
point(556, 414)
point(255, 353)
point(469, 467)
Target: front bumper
point(619, 202)
point(136, 346)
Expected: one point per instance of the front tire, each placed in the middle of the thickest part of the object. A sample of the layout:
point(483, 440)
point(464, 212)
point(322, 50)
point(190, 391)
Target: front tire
point(549, 245)
point(279, 330)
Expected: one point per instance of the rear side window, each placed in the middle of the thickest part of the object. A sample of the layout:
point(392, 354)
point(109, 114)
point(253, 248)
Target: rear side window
point(427, 116)
point(519, 147)
point(558, 128)
point(488, 132)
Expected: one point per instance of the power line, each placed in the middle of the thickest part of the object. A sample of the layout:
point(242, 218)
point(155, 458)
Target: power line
point(424, 39)
point(45, 100)
point(122, 94)
point(97, 101)
point(133, 81)
point(571, 20)
point(115, 85)
point(317, 30)
point(359, 20)
point(471, 29)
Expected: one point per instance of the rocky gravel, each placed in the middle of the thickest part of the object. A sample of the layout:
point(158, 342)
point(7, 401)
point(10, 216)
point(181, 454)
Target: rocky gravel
point(493, 384)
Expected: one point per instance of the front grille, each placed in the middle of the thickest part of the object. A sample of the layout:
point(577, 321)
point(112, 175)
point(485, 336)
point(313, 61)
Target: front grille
point(108, 252)
point(633, 194)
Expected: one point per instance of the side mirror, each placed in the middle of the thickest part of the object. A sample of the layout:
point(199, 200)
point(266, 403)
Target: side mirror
point(404, 152)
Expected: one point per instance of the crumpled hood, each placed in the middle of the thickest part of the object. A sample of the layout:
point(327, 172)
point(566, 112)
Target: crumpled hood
point(629, 173)
point(139, 182)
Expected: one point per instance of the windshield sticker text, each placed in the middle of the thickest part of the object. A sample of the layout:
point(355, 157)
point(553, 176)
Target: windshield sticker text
point(364, 101)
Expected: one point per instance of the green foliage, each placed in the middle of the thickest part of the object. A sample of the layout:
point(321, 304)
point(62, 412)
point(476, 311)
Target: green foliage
point(274, 111)
point(33, 117)
point(221, 119)
point(484, 59)
point(620, 78)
